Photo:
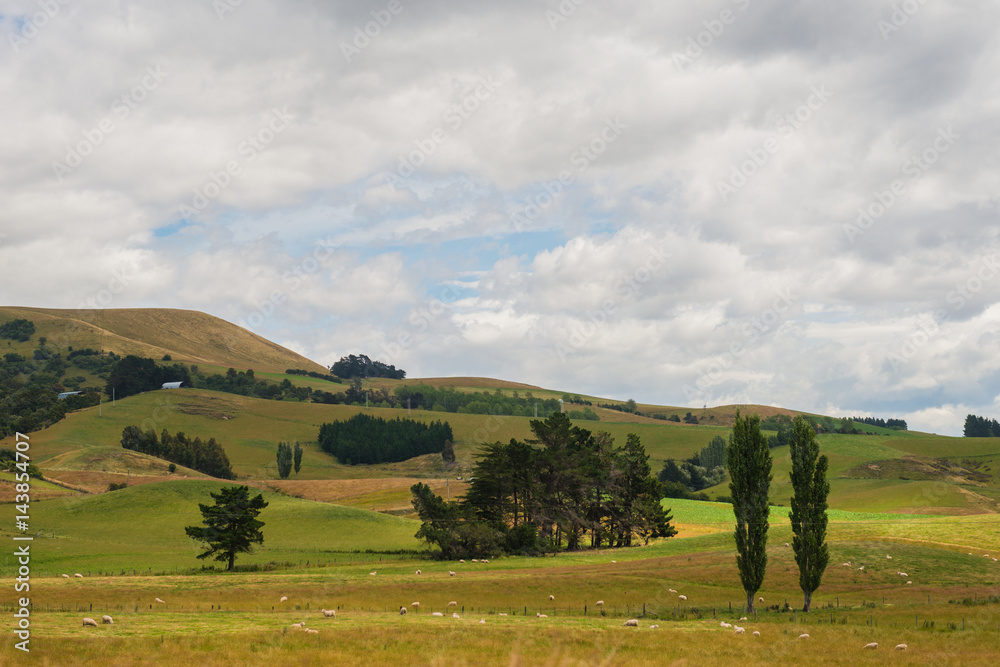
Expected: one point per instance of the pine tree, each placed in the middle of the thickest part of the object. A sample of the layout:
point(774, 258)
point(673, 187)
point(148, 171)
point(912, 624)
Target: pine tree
point(231, 525)
point(808, 514)
point(298, 457)
point(749, 461)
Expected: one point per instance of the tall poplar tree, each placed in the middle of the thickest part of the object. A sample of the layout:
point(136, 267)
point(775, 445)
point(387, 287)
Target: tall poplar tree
point(749, 460)
point(808, 514)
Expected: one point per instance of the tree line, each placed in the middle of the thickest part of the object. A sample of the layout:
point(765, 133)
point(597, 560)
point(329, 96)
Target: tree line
point(206, 457)
point(367, 439)
point(565, 488)
point(704, 469)
point(360, 366)
point(981, 427)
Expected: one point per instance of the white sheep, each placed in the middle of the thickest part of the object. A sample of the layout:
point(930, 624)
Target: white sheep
point(107, 620)
point(414, 604)
point(786, 544)
point(65, 576)
point(552, 597)
point(436, 613)
point(475, 560)
point(418, 571)
point(461, 560)
point(631, 623)
point(682, 597)
point(900, 647)
point(402, 611)
point(743, 618)
point(760, 600)
point(888, 557)
point(653, 626)
point(329, 612)
point(756, 633)
point(310, 631)
point(804, 636)
point(872, 645)
point(861, 569)
point(738, 630)
point(371, 574)
point(845, 564)
point(299, 626)
point(482, 621)
point(283, 598)
point(614, 561)
point(455, 615)
point(484, 561)
point(78, 575)
point(159, 600)
point(539, 615)
point(599, 603)
point(672, 591)
point(453, 603)
point(450, 573)
point(723, 624)
point(908, 583)
point(902, 574)
point(89, 621)
point(503, 613)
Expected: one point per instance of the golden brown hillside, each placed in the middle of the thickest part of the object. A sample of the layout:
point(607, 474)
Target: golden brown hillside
point(186, 335)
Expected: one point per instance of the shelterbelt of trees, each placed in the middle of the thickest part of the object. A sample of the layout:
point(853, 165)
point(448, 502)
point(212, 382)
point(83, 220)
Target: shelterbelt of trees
point(562, 490)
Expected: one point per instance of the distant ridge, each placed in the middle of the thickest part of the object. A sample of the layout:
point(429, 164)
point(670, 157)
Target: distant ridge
point(188, 336)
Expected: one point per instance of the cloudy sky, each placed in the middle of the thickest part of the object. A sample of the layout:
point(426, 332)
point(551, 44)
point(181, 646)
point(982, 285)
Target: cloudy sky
point(708, 202)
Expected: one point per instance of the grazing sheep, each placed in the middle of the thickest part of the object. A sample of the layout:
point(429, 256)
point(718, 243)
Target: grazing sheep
point(461, 560)
point(804, 636)
point(888, 557)
point(78, 575)
point(450, 573)
point(452, 604)
point(455, 615)
point(503, 613)
point(909, 582)
point(672, 591)
point(756, 633)
point(786, 544)
point(89, 621)
point(902, 574)
point(482, 621)
point(682, 597)
point(723, 624)
point(329, 612)
point(599, 603)
point(371, 574)
point(743, 618)
point(760, 600)
point(552, 597)
point(653, 626)
point(845, 564)
point(475, 560)
point(107, 620)
point(414, 604)
point(310, 631)
point(541, 615)
point(283, 598)
point(484, 561)
point(402, 611)
point(299, 626)
point(418, 571)
point(159, 600)
point(65, 576)
point(631, 623)
point(900, 647)
point(614, 561)
point(738, 630)
point(436, 613)
point(872, 645)
point(861, 569)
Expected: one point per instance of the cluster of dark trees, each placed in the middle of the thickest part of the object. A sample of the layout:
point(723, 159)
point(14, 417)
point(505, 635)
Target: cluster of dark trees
point(704, 469)
point(133, 375)
point(314, 374)
point(29, 388)
point(367, 439)
point(981, 427)
point(895, 424)
point(629, 406)
point(20, 330)
point(207, 457)
point(564, 488)
point(9, 463)
point(360, 366)
point(442, 399)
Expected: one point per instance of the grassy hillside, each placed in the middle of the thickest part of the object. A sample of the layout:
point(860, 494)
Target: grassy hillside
point(187, 336)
